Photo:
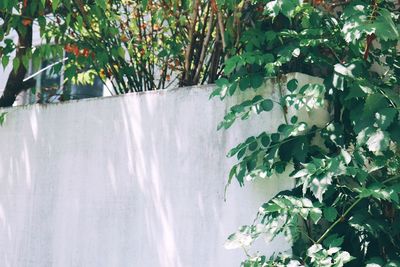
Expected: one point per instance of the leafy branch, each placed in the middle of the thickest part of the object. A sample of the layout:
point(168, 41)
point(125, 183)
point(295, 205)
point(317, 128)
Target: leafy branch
point(357, 127)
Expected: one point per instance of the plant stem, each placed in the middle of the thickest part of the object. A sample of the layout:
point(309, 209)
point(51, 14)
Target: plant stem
point(391, 179)
point(324, 235)
point(339, 220)
point(191, 38)
point(284, 108)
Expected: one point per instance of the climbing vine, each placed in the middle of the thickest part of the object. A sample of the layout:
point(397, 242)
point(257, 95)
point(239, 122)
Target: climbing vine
point(344, 208)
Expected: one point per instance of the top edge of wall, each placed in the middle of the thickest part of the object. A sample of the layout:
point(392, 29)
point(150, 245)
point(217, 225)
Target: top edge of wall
point(291, 75)
point(100, 98)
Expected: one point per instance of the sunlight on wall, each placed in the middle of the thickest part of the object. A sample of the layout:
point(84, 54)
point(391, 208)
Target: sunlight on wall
point(134, 180)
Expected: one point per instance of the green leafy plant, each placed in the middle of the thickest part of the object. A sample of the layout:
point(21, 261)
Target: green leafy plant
point(134, 45)
point(3, 116)
point(344, 208)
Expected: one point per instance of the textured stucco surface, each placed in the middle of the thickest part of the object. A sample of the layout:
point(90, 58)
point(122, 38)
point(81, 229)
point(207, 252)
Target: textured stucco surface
point(134, 180)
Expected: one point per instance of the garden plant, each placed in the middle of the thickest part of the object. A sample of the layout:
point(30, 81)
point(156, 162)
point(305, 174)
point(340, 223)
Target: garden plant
point(344, 208)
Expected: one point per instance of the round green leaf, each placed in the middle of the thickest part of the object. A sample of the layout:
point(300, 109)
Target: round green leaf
point(292, 85)
point(280, 166)
point(275, 137)
point(267, 105)
point(265, 140)
point(253, 146)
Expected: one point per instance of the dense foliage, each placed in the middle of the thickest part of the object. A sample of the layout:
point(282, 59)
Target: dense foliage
point(344, 209)
point(134, 45)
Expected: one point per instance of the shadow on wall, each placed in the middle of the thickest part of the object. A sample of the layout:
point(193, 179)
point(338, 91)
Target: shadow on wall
point(135, 180)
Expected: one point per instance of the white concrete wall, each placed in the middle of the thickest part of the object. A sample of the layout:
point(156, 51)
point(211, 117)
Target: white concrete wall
point(134, 180)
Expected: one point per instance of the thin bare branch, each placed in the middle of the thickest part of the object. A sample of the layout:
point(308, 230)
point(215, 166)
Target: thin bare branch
point(192, 27)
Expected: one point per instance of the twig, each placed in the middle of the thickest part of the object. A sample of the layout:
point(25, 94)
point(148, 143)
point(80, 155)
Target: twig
point(192, 27)
point(222, 30)
point(204, 47)
point(341, 218)
point(284, 108)
point(391, 179)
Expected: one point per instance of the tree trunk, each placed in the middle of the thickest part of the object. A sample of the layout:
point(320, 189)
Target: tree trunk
point(15, 83)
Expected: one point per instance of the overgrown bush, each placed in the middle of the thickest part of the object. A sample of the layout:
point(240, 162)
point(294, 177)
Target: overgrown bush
point(344, 209)
point(134, 45)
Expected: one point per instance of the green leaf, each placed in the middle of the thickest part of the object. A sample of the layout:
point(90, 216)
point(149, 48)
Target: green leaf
point(330, 214)
point(242, 238)
point(342, 258)
point(144, 3)
point(232, 88)
point(392, 95)
point(267, 105)
point(293, 119)
point(121, 52)
point(265, 140)
point(292, 85)
point(230, 64)
point(280, 166)
point(301, 173)
point(346, 156)
point(374, 103)
point(286, 7)
point(394, 132)
point(55, 4)
point(241, 153)
point(377, 191)
point(242, 171)
point(222, 86)
point(25, 61)
point(229, 119)
point(315, 215)
point(384, 27)
point(243, 110)
point(338, 82)
point(275, 137)
point(256, 81)
point(244, 83)
point(333, 241)
point(3, 116)
point(319, 185)
point(345, 70)
point(296, 52)
point(385, 117)
point(3, 4)
point(16, 63)
point(364, 134)
point(296, 148)
point(253, 145)
point(4, 61)
point(222, 82)
point(378, 141)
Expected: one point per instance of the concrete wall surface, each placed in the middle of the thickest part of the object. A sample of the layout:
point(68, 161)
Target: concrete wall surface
point(133, 180)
